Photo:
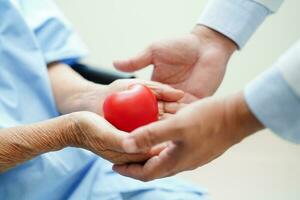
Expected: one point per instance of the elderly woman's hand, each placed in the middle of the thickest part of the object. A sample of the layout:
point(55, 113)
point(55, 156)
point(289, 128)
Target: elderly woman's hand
point(81, 129)
point(73, 93)
point(94, 133)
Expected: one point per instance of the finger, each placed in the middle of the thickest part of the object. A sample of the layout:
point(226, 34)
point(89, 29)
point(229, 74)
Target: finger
point(115, 141)
point(140, 61)
point(121, 158)
point(158, 148)
point(165, 92)
point(144, 138)
point(169, 107)
point(156, 167)
point(188, 98)
point(134, 170)
point(161, 91)
point(165, 116)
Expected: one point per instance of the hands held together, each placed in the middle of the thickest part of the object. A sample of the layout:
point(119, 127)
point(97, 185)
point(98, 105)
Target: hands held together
point(99, 136)
point(190, 138)
point(182, 140)
point(201, 131)
point(196, 135)
point(82, 125)
point(194, 63)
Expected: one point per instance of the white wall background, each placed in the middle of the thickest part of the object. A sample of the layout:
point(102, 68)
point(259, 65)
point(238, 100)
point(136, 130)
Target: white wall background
point(263, 167)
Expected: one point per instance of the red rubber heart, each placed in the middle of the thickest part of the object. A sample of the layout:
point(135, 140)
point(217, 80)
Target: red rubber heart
point(130, 109)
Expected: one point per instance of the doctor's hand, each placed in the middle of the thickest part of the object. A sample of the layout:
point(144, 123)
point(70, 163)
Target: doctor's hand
point(195, 63)
point(197, 134)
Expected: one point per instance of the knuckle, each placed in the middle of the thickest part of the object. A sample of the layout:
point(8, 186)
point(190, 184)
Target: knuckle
point(150, 135)
point(146, 178)
point(145, 140)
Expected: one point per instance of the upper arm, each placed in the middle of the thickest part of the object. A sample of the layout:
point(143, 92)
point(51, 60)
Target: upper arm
point(53, 32)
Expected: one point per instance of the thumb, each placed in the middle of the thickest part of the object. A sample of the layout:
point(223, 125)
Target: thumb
point(140, 61)
point(144, 138)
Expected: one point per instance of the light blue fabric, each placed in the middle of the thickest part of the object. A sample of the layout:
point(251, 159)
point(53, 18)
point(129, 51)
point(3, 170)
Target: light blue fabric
point(33, 33)
point(236, 19)
point(275, 104)
point(273, 5)
point(52, 30)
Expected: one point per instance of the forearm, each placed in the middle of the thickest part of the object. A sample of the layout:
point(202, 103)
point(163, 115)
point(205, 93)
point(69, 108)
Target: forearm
point(69, 88)
point(22, 143)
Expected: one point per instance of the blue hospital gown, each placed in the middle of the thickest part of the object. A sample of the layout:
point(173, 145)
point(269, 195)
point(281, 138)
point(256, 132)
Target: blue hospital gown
point(33, 33)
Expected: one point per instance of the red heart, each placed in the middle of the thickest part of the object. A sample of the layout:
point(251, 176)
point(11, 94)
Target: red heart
point(130, 109)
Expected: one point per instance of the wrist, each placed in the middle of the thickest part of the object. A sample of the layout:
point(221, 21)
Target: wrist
point(214, 39)
point(52, 135)
point(77, 134)
point(89, 99)
point(72, 92)
point(241, 122)
point(81, 128)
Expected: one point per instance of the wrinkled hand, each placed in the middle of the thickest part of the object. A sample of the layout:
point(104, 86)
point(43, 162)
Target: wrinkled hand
point(167, 97)
point(197, 134)
point(94, 133)
point(194, 63)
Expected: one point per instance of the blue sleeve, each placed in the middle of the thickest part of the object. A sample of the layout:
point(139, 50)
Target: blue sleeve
point(236, 19)
point(275, 104)
point(54, 34)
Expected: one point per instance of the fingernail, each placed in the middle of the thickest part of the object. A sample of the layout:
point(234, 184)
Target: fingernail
point(130, 146)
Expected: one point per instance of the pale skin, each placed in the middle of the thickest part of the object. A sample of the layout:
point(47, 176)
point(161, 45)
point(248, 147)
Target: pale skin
point(81, 125)
point(195, 63)
point(201, 131)
point(196, 135)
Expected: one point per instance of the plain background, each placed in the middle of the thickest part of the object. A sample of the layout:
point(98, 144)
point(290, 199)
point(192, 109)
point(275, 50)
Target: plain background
point(263, 167)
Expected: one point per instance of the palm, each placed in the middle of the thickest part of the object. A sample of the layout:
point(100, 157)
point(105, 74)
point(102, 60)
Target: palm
point(183, 65)
point(104, 140)
point(186, 63)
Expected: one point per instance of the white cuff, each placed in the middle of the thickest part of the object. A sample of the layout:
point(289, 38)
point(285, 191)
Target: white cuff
point(272, 5)
point(275, 104)
point(236, 19)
